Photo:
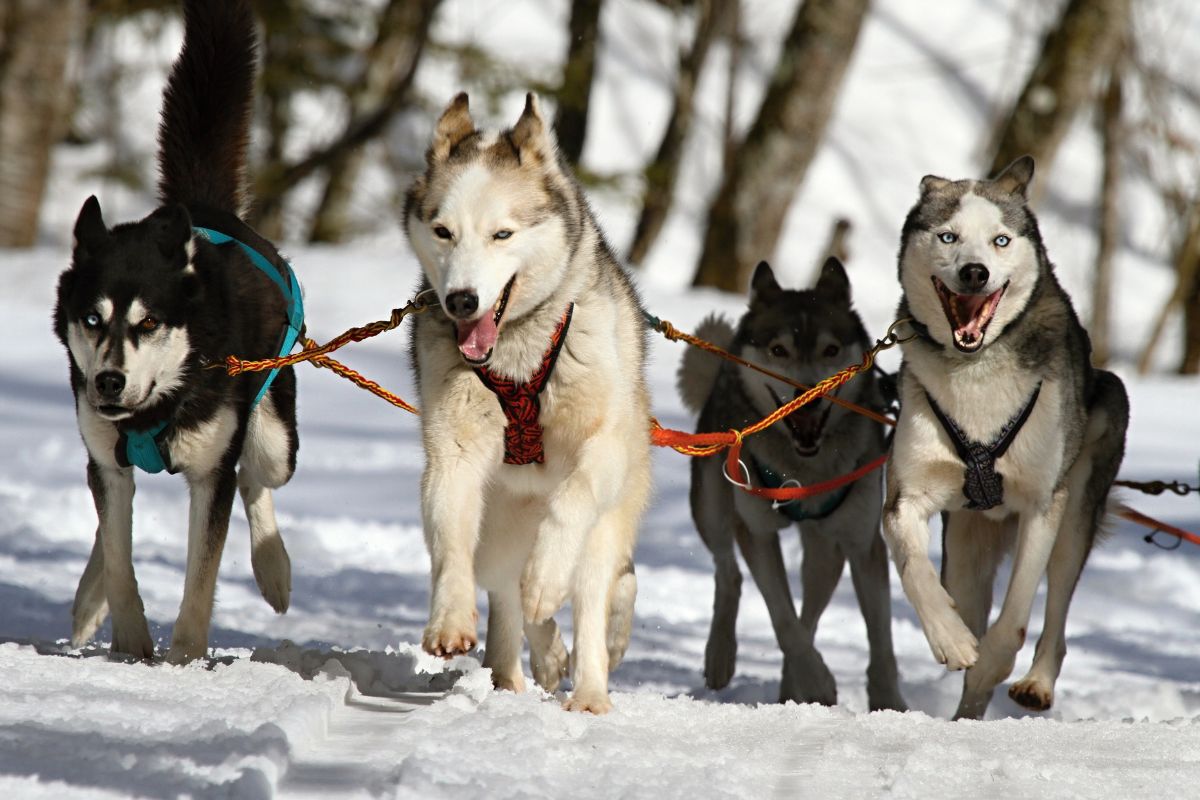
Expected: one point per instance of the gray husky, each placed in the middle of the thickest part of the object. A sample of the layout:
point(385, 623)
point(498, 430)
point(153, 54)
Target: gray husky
point(535, 414)
point(1005, 429)
point(805, 335)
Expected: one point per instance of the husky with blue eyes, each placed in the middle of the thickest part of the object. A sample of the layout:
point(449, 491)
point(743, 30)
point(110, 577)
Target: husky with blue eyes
point(144, 308)
point(1006, 430)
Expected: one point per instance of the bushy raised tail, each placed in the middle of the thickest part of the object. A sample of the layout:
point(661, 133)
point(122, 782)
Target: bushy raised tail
point(205, 126)
point(698, 370)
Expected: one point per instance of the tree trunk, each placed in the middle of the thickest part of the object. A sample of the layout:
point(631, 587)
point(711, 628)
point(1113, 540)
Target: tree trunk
point(392, 61)
point(35, 46)
point(662, 173)
point(1187, 271)
point(571, 120)
point(1083, 42)
point(1112, 134)
point(1189, 277)
point(746, 218)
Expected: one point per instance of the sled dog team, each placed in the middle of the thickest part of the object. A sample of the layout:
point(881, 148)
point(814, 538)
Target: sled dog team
point(535, 410)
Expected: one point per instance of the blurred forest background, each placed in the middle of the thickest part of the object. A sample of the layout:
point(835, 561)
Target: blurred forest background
point(62, 83)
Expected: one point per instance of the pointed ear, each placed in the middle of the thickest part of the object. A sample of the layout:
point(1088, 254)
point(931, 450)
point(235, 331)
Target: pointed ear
point(763, 285)
point(931, 183)
point(1016, 176)
point(90, 231)
point(531, 136)
point(171, 227)
point(833, 282)
point(453, 126)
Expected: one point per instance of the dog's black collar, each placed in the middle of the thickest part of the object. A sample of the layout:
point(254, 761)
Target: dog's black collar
point(982, 485)
point(796, 510)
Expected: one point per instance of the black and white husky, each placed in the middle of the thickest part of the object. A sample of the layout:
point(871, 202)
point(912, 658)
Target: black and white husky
point(806, 335)
point(144, 308)
point(1005, 428)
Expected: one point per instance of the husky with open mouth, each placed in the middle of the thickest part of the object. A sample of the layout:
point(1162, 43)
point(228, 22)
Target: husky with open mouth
point(534, 409)
point(806, 336)
point(1006, 430)
point(144, 308)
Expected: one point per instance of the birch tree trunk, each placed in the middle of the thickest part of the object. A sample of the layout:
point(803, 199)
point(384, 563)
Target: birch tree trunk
point(747, 214)
point(36, 43)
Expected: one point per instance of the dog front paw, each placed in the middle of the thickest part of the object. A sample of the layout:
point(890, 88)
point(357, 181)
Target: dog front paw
point(543, 590)
point(591, 702)
point(1032, 694)
point(450, 633)
point(185, 652)
point(951, 641)
point(131, 637)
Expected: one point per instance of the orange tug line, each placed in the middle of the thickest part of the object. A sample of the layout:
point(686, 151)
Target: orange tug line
point(698, 445)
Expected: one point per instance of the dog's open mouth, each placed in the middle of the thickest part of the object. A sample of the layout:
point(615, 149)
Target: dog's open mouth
point(968, 314)
point(113, 413)
point(477, 337)
point(805, 424)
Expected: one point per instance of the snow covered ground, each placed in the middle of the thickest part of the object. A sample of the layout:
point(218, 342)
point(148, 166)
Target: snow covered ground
point(335, 699)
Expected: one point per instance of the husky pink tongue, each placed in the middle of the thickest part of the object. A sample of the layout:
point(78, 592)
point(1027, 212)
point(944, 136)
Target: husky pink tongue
point(968, 308)
point(476, 338)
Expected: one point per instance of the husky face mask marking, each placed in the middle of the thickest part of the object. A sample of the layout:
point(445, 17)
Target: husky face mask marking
point(123, 330)
point(971, 256)
point(481, 218)
point(794, 333)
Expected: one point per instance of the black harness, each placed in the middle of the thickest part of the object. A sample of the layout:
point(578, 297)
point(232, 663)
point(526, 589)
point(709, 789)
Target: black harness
point(982, 485)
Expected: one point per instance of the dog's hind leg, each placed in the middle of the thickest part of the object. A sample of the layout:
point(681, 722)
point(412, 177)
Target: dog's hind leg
point(805, 679)
point(91, 604)
point(869, 571)
point(620, 614)
point(548, 658)
point(820, 570)
point(712, 513)
point(268, 556)
point(1090, 480)
point(502, 651)
point(112, 490)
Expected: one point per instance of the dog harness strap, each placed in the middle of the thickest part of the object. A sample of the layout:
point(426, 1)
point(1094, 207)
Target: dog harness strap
point(521, 402)
point(795, 510)
point(982, 485)
point(287, 284)
point(146, 450)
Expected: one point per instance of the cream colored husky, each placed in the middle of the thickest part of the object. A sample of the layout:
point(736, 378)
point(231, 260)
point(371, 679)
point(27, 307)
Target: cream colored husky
point(534, 407)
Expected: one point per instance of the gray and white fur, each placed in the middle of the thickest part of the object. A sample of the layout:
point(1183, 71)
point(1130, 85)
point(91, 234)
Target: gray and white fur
point(807, 336)
point(993, 325)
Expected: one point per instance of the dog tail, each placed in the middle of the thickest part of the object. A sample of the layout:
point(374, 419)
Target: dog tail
point(698, 370)
point(205, 128)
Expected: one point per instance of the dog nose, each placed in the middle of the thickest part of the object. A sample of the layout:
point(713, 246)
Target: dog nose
point(973, 276)
point(462, 304)
point(110, 384)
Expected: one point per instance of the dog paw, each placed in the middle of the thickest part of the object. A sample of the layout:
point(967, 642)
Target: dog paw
point(509, 683)
point(720, 662)
point(543, 591)
point(450, 633)
point(807, 680)
point(273, 572)
point(132, 639)
point(951, 641)
point(591, 702)
point(1032, 694)
point(550, 668)
point(185, 652)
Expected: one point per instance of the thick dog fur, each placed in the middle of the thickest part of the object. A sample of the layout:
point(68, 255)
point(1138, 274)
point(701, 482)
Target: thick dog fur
point(498, 215)
point(979, 239)
point(143, 308)
point(806, 335)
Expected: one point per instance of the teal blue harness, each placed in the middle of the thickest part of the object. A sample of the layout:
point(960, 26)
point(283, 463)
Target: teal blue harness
point(147, 450)
point(795, 510)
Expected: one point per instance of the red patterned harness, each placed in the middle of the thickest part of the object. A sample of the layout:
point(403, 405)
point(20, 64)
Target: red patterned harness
point(521, 403)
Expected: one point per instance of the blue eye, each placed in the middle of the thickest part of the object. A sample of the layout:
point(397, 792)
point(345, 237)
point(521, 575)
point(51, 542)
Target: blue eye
point(1001, 241)
point(502, 235)
point(92, 320)
point(946, 237)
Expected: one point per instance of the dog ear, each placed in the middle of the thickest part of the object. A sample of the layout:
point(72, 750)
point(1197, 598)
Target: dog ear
point(931, 183)
point(763, 285)
point(453, 126)
point(90, 231)
point(171, 228)
point(1016, 176)
point(531, 136)
point(833, 283)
